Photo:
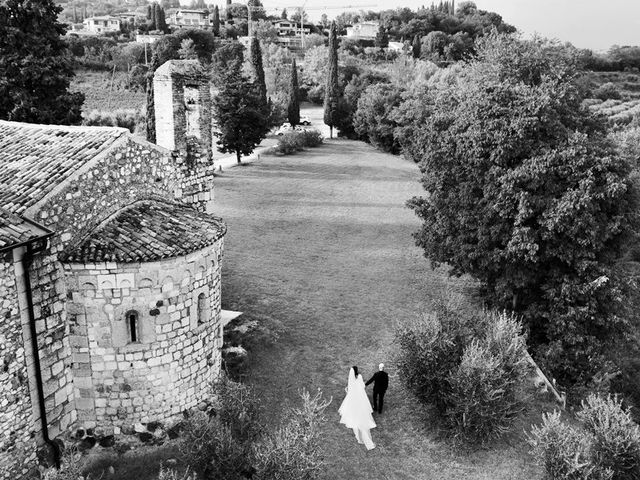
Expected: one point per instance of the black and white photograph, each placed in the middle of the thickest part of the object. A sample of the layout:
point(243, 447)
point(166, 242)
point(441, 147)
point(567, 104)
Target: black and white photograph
point(319, 240)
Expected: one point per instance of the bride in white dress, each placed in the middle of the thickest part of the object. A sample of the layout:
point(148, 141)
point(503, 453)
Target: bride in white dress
point(355, 411)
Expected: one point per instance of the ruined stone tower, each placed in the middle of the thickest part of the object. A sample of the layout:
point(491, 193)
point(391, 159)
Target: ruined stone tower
point(183, 125)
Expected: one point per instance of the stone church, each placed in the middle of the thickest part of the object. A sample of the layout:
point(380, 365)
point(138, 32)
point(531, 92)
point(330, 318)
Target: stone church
point(109, 272)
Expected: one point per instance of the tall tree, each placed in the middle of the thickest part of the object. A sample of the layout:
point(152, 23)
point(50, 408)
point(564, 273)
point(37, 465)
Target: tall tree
point(283, 15)
point(256, 62)
point(526, 194)
point(382, 39)
point(239, 115)
point(332, 90)
point(161, 23)
point(293, 109)
point(416, 46)
point(215, 23)
point(150, 115)
point(35, 66)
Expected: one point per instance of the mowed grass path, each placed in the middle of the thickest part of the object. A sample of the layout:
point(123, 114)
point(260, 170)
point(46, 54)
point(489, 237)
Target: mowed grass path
point(321, 242)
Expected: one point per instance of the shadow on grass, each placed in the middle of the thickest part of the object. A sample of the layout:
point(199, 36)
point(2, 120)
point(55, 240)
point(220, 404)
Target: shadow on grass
point(142, 463)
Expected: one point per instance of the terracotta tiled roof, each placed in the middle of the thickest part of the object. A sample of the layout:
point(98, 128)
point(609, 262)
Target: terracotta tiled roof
point(145, 231)
point(16, 230)
point(34, 159)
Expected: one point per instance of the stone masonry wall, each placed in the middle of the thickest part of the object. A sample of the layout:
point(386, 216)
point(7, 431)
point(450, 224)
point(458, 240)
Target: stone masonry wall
point(183, 125)
point(119, 383)
point(132, 171)
point(17, 443)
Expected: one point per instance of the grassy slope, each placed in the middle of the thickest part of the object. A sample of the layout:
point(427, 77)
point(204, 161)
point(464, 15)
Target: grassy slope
point(104, 93)
point(321, 243)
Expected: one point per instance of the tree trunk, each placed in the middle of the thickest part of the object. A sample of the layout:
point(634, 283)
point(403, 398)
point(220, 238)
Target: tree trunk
point(238, 155)
point(330, 131)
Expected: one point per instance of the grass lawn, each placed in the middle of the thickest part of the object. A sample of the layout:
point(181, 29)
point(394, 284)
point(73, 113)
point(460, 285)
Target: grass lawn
point(321, 244)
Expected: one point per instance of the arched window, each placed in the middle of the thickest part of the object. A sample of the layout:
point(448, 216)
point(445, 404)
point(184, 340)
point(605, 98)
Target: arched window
point(203, 309)
point(132, 326)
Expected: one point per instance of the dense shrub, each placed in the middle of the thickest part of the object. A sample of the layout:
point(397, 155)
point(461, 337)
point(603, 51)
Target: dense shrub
point(469, 364)
point(169, 474)
point(315, 94)
point(563, 451)
point(607, 91)
point(218, 445)
point(231, 442)
point(292, 452)
point(606, 445)
point(374, 121)
point(615, 437)
point(130, 119)
point(295, 141)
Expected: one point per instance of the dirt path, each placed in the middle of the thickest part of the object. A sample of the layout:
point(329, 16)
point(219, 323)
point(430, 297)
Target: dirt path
point(321, 242)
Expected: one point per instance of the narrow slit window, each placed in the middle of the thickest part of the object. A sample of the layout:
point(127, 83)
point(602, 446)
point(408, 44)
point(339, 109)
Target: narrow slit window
point(133, 327)
point(203, 309)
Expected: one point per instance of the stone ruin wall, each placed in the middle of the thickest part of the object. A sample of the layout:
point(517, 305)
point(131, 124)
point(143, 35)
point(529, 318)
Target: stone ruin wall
point(17, 442)
point(132, 171)
point(182, 94)
point(170, 369)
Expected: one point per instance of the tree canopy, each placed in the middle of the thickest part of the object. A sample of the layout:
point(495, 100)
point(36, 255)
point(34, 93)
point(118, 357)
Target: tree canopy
point(240, 115)
point(526, 194)
point(35, 68)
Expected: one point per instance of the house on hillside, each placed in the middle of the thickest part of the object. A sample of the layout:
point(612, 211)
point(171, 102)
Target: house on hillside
point(103, 24)
point(187, 18)
point(109, 273)
point(287, 28)
point(363, 31)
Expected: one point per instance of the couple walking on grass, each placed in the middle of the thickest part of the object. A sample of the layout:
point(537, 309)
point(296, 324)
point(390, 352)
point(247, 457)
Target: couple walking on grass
point(355, 411)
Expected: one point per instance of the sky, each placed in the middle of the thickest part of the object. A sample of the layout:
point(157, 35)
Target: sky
point(594, 24)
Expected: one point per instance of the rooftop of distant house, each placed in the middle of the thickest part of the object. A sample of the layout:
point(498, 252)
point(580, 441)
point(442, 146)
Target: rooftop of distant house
point(104, 17)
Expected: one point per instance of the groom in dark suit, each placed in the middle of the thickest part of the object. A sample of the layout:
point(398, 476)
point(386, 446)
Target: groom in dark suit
point(380, 381)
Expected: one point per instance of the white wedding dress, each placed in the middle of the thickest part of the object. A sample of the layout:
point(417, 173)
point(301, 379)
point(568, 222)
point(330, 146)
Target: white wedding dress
point(355, 411)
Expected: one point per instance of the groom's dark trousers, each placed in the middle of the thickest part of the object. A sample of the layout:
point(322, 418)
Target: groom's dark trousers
point(380, 381)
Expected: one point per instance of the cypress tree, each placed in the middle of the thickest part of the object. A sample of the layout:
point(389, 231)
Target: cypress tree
point(416, 46)
point(256, 62)
point(162, 24)
point(216, 21)
point(382, 39)
point(453, 7)
point(332, 91)
point(283, 15)
point(154, 17)
point(149, 12)
point(293, 109)
point(151, 111)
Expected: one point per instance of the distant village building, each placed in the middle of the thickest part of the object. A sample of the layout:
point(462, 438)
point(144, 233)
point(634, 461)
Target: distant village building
point(187, 18)
point(363, 31)
point(104, 24)
point(287, 28)
point(109, 273)
point(148, 38)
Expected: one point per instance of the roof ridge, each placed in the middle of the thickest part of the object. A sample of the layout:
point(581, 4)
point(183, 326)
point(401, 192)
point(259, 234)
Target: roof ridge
point(67, 128)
